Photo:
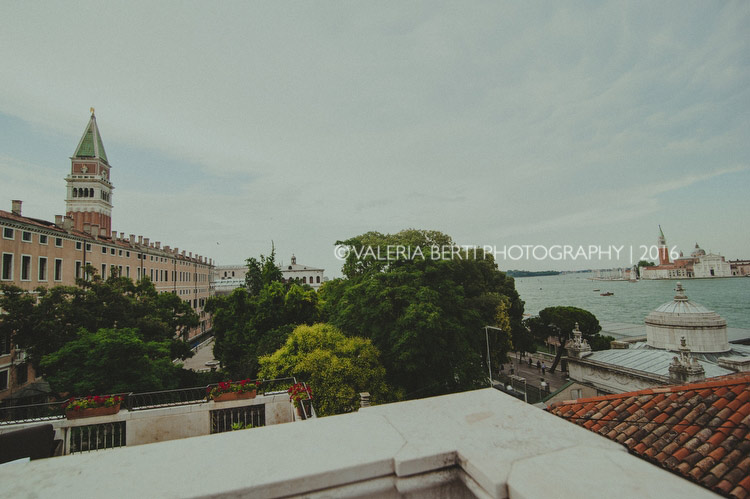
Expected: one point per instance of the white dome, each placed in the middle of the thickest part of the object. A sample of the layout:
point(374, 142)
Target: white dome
point(703, 329)
point(697, 251)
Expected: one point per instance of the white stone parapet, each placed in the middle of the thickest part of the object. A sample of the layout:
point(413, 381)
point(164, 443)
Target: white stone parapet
point(474, 444)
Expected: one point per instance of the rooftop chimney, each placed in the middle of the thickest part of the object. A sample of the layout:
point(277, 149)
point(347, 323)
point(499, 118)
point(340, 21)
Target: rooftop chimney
point(132, 239)
point(114, 235)
point(58, 220)
point(158, 244)
point(16, 207)
point(95, 230)
point(67, 223)
point(140, 239)
point(145, 241)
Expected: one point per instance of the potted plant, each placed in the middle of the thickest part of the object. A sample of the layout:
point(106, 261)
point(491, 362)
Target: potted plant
point(233, 390)
point(93, 405)
point(301, 396)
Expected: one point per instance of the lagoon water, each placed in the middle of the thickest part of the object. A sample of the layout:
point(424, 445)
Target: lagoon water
point(632, 302)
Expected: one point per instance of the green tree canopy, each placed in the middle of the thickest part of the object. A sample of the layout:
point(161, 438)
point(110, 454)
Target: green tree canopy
point(262, 272)
point(110, 361)
point(336, 367)
point(44, 321)
point(248, 326)
point(425, 310)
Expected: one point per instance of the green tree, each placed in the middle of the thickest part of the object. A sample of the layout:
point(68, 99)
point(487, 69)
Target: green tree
point(560, 322)
point(44, 321)
point(262, 272)
point(248, 326)
point(336, 367)
point(56, 326)
point(426, 314)
point(110, 361)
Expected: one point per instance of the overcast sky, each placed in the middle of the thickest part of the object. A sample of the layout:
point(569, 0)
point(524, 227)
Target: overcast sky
point(233, 124)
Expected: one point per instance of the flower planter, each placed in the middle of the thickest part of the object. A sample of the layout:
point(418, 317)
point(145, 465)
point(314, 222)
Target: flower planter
point(91, 412)
point(225, 397)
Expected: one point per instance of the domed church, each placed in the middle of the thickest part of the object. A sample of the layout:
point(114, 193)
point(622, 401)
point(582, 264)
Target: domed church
point(685, 342)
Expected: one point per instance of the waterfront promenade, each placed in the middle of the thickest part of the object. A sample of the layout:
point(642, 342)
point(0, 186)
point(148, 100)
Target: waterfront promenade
point(533, 376)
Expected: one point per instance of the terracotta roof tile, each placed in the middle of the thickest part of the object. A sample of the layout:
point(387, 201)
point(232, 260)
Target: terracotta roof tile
point(718, 453)
point(719, 470)
point(709, 481)
point(739, 493)
point(744, 396)
point(716, 439)
point(724, 486)
point(701, 431)
point(681, 454)
point(734, 404)
point(682, 468)
point(735, 476)
point(745, 483)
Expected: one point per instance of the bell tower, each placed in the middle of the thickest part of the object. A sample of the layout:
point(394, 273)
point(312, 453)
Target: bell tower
point(89, 196)
point(663, 249)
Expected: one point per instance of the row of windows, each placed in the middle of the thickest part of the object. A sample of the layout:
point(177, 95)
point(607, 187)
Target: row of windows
point(304, 279)
point(6, 273)
point(28, 237)
point(26, 271)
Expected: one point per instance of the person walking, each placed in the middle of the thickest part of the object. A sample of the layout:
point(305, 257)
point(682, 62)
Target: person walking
point(544, 368)
point(538, 366)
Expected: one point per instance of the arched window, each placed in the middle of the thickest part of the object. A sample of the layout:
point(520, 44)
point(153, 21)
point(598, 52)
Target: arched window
point(317, 279)
point(304, 280)
point(74, 193)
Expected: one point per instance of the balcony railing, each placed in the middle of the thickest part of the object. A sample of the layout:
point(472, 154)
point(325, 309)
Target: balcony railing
point(132, 402)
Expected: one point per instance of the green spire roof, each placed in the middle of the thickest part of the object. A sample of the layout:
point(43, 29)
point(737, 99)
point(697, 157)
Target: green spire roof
point(91, 145)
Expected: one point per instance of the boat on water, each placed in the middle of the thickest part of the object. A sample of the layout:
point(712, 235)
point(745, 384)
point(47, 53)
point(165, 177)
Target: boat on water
point(608, 293)
point(597, 289)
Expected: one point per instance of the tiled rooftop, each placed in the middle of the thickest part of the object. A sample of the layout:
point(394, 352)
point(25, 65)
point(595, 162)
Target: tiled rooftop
point(700, 431)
